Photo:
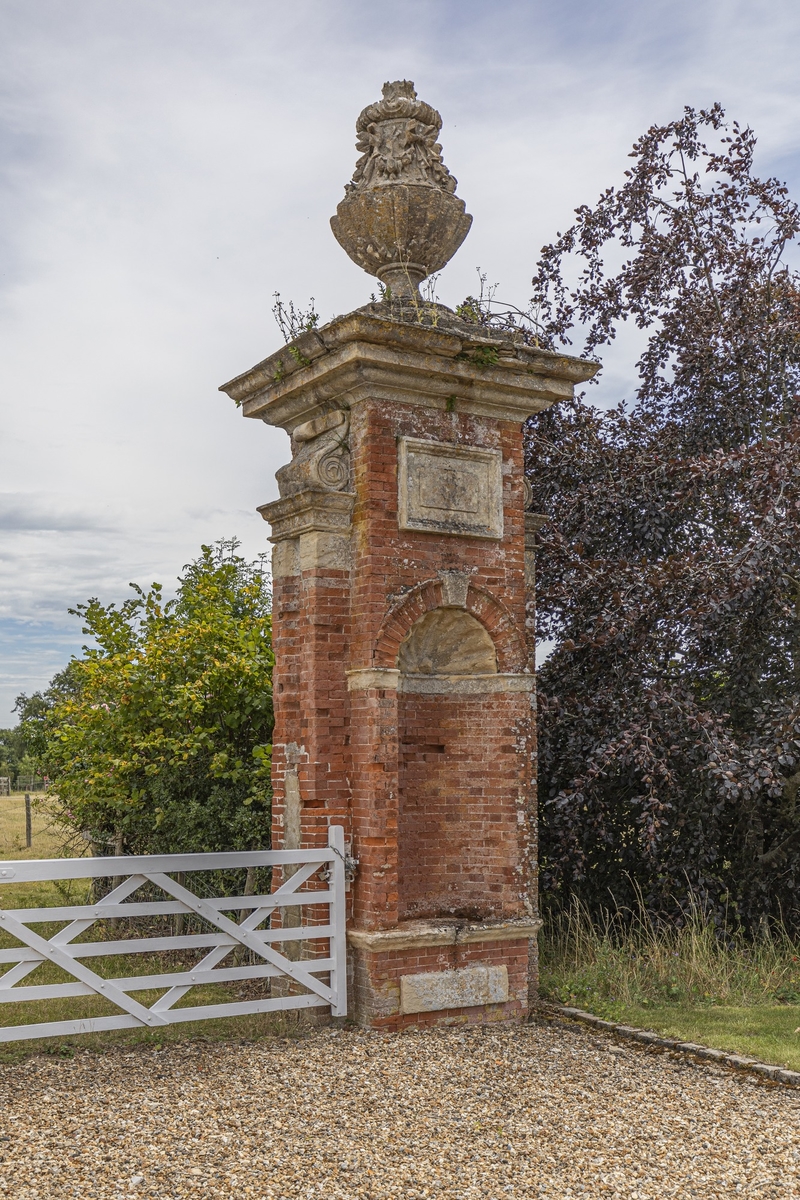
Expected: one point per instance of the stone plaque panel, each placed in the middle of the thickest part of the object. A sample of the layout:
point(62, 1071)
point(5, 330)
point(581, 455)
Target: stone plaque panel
point(464, 987)
point(447, 488)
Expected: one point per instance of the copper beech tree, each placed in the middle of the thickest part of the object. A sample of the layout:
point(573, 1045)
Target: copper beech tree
point(669, 566)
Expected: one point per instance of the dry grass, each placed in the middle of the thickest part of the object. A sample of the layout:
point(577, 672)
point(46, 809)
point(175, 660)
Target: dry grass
point(47, 840)
point(691, 983)
point(624, 959)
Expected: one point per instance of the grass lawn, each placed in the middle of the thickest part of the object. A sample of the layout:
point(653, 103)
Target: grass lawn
point(736, 993)
point(767, 1031)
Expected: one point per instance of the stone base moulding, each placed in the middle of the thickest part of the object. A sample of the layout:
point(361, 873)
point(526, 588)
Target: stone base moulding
point(415, 935)
point(421, 975)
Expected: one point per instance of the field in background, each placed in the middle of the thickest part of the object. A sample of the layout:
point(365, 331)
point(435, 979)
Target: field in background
point(46, 840)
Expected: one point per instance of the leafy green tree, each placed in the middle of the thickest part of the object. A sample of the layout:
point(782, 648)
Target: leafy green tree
point(159, 737)
point(12, 751)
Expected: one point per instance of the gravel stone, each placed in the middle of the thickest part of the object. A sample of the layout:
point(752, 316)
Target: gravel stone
point(538, 1112)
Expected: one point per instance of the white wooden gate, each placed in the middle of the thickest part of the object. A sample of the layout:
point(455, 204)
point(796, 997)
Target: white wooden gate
point(226, 936)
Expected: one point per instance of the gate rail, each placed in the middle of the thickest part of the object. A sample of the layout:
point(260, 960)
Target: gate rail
point(62, 950)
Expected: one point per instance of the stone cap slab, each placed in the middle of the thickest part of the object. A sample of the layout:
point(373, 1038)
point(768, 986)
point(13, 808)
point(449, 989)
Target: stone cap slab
point(305, 512)
point(372, 354)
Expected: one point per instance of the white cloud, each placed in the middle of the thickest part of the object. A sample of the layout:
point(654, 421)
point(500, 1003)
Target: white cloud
point(165, 166)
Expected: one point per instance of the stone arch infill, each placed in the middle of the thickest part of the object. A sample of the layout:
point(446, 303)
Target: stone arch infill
point(426, 596)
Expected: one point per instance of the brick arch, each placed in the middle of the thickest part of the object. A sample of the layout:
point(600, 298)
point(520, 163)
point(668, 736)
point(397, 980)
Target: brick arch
point(491, 612)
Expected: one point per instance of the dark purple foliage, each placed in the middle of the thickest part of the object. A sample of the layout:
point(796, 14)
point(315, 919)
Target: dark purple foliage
point(669, 568)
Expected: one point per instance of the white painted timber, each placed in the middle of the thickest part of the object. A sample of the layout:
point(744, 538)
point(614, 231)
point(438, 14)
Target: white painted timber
point(227, 935)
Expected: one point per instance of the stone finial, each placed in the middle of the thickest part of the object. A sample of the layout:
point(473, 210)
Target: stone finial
point(397, 139)
point(400, 219)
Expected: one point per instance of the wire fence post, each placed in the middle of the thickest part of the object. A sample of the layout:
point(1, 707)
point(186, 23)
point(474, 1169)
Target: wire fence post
point(28, 823)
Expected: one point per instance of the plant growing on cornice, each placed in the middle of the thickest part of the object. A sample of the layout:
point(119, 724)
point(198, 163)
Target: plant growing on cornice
point(292, 321)
point(486, 310)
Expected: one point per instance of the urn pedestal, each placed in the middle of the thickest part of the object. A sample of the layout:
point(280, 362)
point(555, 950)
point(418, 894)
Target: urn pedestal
point(403, 635)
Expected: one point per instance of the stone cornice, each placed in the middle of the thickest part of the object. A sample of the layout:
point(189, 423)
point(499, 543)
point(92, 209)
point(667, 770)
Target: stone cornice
point(363, 356)
point(309, 511)
point(413, 934)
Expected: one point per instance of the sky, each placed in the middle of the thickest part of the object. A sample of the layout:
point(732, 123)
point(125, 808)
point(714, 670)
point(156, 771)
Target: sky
point(167, 165)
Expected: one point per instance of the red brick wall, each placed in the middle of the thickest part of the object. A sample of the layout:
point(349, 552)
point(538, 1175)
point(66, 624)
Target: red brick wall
point(436, 833)
point(461, 847)
point(390, 561)
point(311, 615)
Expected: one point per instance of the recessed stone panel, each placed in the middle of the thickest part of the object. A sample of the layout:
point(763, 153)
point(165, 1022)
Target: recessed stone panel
point(463, 988)
point(446, 488)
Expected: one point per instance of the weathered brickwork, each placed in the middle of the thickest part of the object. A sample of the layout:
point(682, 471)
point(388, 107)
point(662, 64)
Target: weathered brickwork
point(404, 646)
point(464, 791)
point(375, 986)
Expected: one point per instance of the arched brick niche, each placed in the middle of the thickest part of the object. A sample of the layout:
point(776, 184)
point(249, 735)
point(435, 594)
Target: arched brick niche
point(447, 642)
point(459, 786)
point(452, 590)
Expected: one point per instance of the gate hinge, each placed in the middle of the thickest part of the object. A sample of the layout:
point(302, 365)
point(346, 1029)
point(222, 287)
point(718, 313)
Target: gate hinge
point(350, 866)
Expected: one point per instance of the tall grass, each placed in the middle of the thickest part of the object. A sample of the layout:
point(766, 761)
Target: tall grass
point(623, 958)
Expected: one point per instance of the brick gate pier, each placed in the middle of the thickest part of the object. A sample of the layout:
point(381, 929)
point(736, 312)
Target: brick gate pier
point(403, 601)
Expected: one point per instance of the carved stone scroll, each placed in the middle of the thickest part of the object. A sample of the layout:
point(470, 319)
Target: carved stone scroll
point(320, 456)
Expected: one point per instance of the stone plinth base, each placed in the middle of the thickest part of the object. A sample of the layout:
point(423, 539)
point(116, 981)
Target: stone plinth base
point(440, 973)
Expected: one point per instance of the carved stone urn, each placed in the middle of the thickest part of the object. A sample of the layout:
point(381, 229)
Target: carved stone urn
point(400, 219)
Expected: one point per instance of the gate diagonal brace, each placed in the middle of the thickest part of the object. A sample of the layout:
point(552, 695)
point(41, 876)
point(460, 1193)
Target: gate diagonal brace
point(243, 935)
point(250, 922)
point(176, 993)
point(62, 958)
point(71, 931)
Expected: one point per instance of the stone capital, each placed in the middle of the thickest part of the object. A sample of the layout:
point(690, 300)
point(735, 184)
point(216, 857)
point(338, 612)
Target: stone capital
point(533, 523)
point(315, 510)
point(363, 679)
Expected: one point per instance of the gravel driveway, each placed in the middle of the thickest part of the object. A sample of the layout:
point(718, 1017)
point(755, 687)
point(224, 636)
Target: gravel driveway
point(540, 1111)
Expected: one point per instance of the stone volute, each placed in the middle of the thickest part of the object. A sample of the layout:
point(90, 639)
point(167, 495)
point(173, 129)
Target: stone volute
point(400, 219)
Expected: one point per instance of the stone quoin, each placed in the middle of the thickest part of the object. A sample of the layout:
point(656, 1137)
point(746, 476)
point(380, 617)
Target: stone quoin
point(403, 601)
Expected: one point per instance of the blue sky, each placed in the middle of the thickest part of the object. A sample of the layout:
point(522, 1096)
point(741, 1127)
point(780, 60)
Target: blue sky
point(166, 166)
